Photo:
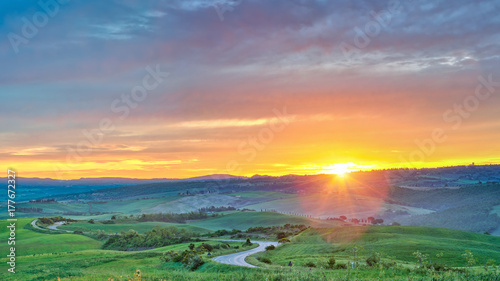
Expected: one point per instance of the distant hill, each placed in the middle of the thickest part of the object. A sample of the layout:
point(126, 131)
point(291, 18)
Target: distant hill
point(214, 177)
point(461, 197)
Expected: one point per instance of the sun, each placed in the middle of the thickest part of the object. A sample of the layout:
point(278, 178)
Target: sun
point(341, 169)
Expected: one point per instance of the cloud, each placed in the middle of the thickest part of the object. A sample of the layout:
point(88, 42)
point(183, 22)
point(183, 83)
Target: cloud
point(228, 76)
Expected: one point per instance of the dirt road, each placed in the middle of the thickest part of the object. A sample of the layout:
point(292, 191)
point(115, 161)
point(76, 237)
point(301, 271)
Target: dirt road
point(239, 258)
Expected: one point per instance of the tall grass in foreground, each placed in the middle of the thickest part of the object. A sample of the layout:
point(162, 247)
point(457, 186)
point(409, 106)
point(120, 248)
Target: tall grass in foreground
point(291, 274)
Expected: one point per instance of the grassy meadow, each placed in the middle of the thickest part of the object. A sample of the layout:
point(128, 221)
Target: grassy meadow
point(47, 256)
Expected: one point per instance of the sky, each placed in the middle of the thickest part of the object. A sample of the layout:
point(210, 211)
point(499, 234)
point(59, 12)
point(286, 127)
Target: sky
point(175, 89)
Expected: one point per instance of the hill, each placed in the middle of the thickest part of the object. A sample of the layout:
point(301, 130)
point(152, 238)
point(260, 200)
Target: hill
point(397, 243)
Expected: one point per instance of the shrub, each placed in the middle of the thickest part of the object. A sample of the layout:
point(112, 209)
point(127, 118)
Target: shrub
point(91, 221)
point(330, 263)
point(177, 258)
point(78, 232)
point(167, 256)
point(284, 240)
point(194, 262)
point(189, 258)
point(310, 264)
point(341, 266)
point(437, 266)
point(280, 235)
point(247, 243)
point(264, 260)
point(371, 260)
point(388, 265)
point(270, 248)
point(205, 247)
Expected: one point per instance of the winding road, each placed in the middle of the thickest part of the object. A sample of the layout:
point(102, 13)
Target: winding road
point(33, 223)
point(56, 224)
point(52, 227)
point(239, 258)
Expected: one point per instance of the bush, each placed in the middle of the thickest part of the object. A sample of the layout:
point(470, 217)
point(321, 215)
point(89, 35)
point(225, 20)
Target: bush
point(205, 247)
point(78, 232)
point(388, 265)
point(91, 221)
point(341, 266)
point(284, 240)
point(280, 235)
point(189, 258)
point(247, 243)
point(437, 266)
point(371, 261)
point(177, 258)
point(330, 263)
point(270, 248)
point(194, 262)
point(310, 264)
point(264, 260)
point(167, 256)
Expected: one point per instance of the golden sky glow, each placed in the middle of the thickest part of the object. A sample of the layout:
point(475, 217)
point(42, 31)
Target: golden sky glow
point(172, 91)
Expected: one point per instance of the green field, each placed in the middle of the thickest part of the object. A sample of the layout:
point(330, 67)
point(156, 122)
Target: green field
point(140, 227)
point(392, 242)
point(334, 204)
point(244, 220)
point(29, 242)
point(42, 256)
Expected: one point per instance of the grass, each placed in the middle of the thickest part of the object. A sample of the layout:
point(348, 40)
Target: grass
point(74, 257)
point(244, 220)
point(140, 227)
point(88, 263)
point(124, 206)
point(334, 204)
point(29, 242)
point(396, 243)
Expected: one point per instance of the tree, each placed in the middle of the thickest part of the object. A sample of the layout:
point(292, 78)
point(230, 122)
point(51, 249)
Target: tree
point(469, 257)
point(420, 257)
point(191, 246)
point(91, 221)
point(280, 235)
point(355, 251)
point(113, 217)
point(343, 218)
